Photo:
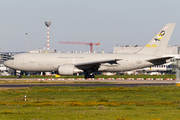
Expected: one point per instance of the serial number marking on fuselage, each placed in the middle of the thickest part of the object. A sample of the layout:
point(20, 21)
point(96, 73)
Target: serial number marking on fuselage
point(151, 45)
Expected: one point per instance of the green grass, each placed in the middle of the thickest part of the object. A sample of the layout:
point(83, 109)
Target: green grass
point(91, 103)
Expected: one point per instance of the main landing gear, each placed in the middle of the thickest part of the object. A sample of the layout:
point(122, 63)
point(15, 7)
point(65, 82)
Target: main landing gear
point(91, 75)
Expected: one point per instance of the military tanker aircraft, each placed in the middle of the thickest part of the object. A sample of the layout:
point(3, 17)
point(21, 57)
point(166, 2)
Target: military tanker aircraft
point(70, 63)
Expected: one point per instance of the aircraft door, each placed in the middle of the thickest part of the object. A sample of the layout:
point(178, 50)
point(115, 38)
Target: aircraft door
point(73, 60)
point(131, 60)
point(131, 63)
point(23, 61)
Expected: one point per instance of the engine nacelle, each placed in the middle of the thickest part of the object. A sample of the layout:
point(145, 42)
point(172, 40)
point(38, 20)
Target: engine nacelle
point(68, 70)
point(169, 60)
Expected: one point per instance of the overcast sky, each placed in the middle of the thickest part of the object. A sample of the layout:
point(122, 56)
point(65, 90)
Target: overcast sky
point(109, 22)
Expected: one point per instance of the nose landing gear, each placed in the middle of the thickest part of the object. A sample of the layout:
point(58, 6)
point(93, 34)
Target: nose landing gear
point(19, 76)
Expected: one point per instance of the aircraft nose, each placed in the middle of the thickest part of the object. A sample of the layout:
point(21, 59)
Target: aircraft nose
point(6, 63)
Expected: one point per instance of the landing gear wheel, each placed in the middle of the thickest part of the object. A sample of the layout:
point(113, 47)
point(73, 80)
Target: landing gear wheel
point(86, 76)
point(92, 76)
point(19, 76)
point(89, 76)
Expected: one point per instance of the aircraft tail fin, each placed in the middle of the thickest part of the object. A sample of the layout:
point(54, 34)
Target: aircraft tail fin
point(157, 45)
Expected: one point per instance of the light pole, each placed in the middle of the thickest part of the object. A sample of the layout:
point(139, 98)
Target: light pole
point(26, 43)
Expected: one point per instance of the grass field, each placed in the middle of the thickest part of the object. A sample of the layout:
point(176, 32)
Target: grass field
point(91, 103)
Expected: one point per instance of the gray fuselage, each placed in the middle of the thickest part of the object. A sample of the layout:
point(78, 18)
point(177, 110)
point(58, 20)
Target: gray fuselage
point(50, 61)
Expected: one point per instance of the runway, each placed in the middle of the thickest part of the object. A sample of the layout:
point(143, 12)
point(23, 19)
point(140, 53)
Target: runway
point(84, 85)
point(82, 82)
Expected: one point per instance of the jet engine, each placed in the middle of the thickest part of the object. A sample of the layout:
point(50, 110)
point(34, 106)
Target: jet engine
point(68, 70)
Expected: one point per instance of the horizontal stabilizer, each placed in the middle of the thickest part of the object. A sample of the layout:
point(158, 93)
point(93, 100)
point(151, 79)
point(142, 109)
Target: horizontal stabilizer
point(159, 59)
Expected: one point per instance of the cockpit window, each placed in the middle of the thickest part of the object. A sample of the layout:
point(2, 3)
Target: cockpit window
point(11, 58)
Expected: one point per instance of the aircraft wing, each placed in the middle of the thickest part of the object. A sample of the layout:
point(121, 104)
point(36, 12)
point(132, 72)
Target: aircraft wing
point(159, 59)
point(97, 62)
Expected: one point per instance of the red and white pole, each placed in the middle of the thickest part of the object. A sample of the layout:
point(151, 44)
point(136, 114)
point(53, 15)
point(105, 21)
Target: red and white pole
point(48, 37)
point(47, 24)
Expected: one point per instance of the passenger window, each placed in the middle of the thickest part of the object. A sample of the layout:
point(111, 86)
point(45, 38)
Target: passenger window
point(11, 58)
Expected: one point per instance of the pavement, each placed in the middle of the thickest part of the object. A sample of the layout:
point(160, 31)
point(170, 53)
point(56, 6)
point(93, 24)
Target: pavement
point(84, 82)
point(95, 80)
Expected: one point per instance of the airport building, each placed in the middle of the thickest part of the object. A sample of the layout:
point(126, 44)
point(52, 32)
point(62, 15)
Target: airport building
point(170, 50)
point(43, 51)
